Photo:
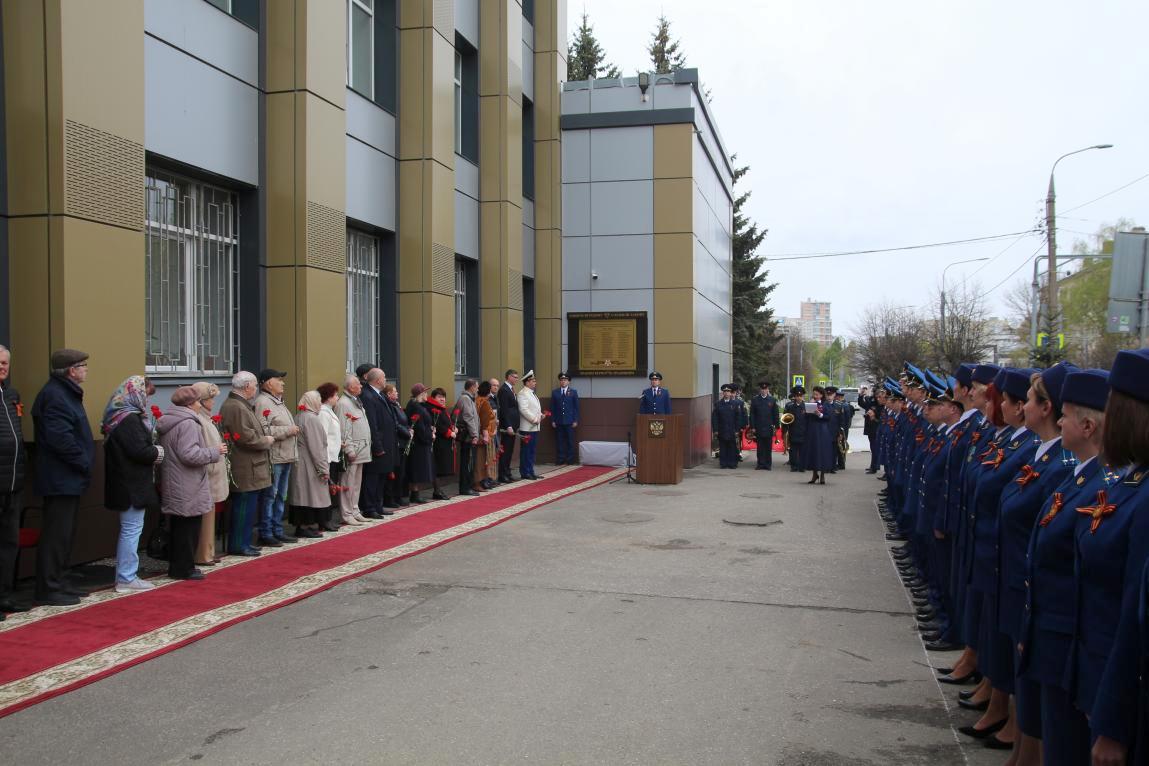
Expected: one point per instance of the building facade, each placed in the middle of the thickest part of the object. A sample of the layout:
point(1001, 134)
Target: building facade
point(647, 226)
point(195, 187)
point(816, 322)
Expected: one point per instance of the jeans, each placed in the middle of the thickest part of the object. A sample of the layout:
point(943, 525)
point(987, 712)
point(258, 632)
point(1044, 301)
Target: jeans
point(527, 447)
point(272, 501)
point(128, 546)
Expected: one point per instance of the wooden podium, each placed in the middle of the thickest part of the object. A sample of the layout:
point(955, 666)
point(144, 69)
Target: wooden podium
point(658, 449)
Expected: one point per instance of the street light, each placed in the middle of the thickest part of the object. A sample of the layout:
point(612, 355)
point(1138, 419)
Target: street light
point(947, 268)
point(1051, 229)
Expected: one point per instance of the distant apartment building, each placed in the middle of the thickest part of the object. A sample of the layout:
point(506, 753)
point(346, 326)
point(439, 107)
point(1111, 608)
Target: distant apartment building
point(816, 322)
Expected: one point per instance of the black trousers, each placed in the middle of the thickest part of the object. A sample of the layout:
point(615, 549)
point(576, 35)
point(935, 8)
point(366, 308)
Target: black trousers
point(765, 452)
point(795, 457)
point(873, 451)
point(466, 466)
point(370, 491)
point(728, 452)
point(183, 537)
point(395, 490)
point(54, 550)
point(507, 442)
point(11, 503)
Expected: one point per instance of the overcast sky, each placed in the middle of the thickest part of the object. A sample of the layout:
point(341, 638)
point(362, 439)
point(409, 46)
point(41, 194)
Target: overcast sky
point(899, 122)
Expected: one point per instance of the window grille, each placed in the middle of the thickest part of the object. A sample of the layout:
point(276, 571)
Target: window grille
point(191, 276)
point(362, 299)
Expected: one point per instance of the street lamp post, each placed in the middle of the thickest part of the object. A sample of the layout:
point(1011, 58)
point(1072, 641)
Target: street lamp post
point(1051, 230)
point(947, 268)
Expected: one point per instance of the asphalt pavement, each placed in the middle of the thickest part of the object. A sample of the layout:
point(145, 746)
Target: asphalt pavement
point(741, 617)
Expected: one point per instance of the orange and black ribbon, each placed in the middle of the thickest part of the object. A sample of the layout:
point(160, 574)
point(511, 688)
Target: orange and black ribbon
point(1027, 475)
point(995, 461)
point(1099, 511)
point(976, 437)
point(1058, 501)
point(919, 438)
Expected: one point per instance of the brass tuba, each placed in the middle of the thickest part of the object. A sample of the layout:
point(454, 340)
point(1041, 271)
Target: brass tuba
point(787, 418)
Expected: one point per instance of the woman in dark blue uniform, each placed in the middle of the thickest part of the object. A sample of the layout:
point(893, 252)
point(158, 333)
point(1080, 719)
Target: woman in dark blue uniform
point(818, 450)
point(1021, 500)
point(1047, 627)
point(1003, 465)
point(1112, 548)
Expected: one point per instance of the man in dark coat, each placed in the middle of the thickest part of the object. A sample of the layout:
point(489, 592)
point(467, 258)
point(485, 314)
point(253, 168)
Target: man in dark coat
point(383, 445)
point(764, 419)
point(727, 421)
point(508, 425)
point(796, 431)
point(64, 455)
point(564, 419)
point(871, 416)
point(12, 459)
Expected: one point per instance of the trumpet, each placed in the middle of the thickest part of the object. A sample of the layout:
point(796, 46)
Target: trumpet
point(787, 418)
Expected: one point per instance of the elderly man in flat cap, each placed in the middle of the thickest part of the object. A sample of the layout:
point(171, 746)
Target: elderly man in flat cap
point(64, 454)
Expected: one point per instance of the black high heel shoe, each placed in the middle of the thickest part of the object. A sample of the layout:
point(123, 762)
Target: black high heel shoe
point(971, 677)
point(985, 733)
point(813, 479)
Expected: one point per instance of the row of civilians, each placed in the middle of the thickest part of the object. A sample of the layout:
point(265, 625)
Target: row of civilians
point(352, 456)
point(1022, 499)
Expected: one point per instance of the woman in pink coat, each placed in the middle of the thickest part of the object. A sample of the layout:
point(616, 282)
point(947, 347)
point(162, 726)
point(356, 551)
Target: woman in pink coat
point(184, 489)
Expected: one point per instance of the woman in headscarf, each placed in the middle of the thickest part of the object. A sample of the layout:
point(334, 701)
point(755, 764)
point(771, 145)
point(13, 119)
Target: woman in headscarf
point(310, 493)
point(186, 495)
point(129, 481)
point(217, 476)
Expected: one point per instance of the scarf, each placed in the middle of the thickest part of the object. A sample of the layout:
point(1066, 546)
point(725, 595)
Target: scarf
point(130, 398)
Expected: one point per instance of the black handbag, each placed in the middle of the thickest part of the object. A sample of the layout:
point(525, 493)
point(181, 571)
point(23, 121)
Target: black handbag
point(158, 542)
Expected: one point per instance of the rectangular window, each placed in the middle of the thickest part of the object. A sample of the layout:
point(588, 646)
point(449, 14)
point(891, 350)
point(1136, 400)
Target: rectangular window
point(362, 299)
point(528, 323)
point(246, 11)
point(460, 318)
point(361, 47)
point(528, 148)
point(529, 10)
point(191, 276)
point(458, 102)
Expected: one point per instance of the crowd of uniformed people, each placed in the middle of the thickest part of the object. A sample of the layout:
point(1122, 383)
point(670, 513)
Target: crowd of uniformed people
point(1019, 502)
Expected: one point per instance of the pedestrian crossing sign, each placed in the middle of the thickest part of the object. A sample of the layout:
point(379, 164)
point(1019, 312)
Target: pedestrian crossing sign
point(799, 380)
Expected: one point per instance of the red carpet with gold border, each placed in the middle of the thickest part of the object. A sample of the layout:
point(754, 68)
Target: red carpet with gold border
point(50, 650)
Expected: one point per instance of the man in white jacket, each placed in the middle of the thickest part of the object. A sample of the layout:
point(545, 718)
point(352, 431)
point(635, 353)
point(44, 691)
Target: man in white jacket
point(530, 416)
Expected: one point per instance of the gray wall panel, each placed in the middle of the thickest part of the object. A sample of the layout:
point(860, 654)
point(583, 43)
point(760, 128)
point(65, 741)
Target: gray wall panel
point(466, 176)
point(576, 155)
point(207, 33)
point(180, 94)
point(370, 185)
point(529, 212)
point(576, 264)
point(617, 100)
point(466, 226)
point(623, 262)
point(528, 69)
point(621, 154)
point(621, 207)
point(576, 209)
point(467, 20)
point(528, 251)
point(370, 123)
point(574, 102)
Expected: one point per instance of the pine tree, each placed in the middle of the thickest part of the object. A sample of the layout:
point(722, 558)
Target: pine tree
point(754, 331)
point(665, 56)
point(585, 57)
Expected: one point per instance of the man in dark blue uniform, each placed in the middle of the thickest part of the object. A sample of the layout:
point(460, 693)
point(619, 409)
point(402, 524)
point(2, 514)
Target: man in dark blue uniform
point(564, 419)
point(656, 399)
point(764, 420)
point(794, 434)
point(727, 421)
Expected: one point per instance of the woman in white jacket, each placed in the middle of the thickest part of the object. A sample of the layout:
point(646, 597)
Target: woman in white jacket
point(531, 417)
point(329, 393)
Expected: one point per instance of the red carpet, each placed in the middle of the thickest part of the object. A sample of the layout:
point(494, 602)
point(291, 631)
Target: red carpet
point(50, 651)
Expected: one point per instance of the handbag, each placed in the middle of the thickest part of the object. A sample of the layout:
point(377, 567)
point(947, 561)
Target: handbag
point(158, 542)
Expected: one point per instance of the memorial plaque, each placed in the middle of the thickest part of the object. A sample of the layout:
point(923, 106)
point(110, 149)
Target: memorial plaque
point(607, 343)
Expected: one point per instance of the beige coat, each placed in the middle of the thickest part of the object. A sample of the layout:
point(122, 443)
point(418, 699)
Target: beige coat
point(356, 429)
point(530, 411)
point(250, 466)
point(278, 424)
point(216, 472)
point(308, 488)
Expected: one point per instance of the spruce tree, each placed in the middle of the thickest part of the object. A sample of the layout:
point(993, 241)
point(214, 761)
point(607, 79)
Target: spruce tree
point(665, 55)
point(754, 333)
point(585, 57)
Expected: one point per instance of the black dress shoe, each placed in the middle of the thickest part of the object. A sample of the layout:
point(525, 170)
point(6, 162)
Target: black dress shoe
point(310, 534)
point(469, 493)
point(438, 496)
point(286, 539)
point(504, 480)
point(895, 537)
point(992, 729)
point(12, 606)
point(971, 677)
point(385, 512)
point(71, 591)
point(979, 707)
point(944, 672)
point(993, 743)
point(57, 599)
point(271, 542)
point(966, 694)
point(403, 502)
point(372, 515)
point(252, 552)
point(195, 574)
point(942, 646)
point(418, 500)
point(931, 636)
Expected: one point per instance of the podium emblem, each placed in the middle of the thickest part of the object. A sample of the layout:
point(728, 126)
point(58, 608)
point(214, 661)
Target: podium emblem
point(657, 429)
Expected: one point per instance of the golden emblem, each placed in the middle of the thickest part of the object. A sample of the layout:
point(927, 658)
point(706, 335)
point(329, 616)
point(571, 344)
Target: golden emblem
point(657, 429)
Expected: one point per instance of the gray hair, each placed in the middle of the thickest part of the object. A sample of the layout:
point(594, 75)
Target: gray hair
point(242, 380)
point(374, 374)
point(351, 378)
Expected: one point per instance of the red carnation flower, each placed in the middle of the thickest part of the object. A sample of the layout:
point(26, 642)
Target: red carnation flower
point(235, 437)
point(267, 413)
point(351, 417)
point(302, 408)
point(457, 411)
point(415, 418)
point(391, 476)
point(217, 419)
point(546, 413)
point(157, 413)
point(526, 440)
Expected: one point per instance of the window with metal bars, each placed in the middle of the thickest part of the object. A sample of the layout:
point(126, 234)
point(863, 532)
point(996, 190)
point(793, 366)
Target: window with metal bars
point(362, 299)
point(191, 275)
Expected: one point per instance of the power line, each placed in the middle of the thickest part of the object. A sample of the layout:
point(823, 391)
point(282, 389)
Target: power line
point(999, 254)
point(1106, 194)
point(807, 256)
point(1020, 266)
